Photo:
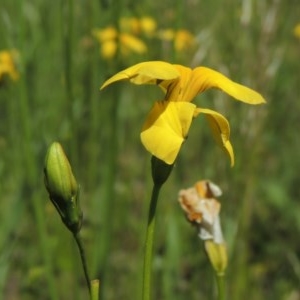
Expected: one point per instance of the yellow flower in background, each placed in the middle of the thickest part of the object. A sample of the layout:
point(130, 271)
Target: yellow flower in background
point(109, 38)
point(106, 34)
point(167, 125)
point(297, 31)
point(127, 38)
point(129, 25)
point(183, 39)
point(147, 25)
point(166, 34)
point(144, 25)
point(8, 65)
point(130, 43)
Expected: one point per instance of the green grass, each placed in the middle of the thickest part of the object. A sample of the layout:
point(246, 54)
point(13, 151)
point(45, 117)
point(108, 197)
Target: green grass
point(58, 98)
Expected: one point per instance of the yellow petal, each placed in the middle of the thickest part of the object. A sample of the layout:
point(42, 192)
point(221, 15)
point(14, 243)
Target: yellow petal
point(220, 129)
point(205, 78)
point(166, 128)
point(151, 72)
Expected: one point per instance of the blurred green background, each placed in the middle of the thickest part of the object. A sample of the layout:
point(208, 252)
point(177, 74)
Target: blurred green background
point(57, 98)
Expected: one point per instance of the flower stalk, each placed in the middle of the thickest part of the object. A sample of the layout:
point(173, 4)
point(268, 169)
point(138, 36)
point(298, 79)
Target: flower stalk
point(83, 260)
point(148, 255)
point(160, 173)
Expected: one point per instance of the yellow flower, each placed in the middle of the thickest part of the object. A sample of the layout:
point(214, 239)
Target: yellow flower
point(148, 25)
point(7, 64)
point(109, 38)
point(183, 40)
point(166, 34)
point(297, 31)
point(168, 123)
point(145, 25)
point(106, 34)
point(130, 43)
point(131, 25)
point(108, 49)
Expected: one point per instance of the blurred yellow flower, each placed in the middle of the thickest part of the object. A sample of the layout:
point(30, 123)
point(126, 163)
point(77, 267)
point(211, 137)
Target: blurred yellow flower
point(8, 65)
point(131, 25)
point(106, 34)
point(144, 25)
point(166, 34)
point(109, 39)
point(168, 122)
point(183, 39)
point(130, 43)
point(297, 31)
point(148, 25)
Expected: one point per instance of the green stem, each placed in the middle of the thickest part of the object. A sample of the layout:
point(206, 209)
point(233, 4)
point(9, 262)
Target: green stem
point(221, 287)
point(149, 243)
point(83, 260)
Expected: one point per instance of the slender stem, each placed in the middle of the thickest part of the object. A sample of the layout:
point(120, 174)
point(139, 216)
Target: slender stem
point(83, 260)
point(149, 243)
point(221, 286)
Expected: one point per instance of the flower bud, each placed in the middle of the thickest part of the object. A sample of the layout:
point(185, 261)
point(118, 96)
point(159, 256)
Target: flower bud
point(160, 170)
point(217, 254)
point(62, 187)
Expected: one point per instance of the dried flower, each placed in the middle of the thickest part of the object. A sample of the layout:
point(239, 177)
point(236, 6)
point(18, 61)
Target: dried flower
point(203, 211)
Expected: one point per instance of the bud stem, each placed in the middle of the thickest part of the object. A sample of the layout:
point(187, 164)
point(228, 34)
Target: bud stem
point(83, 260)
